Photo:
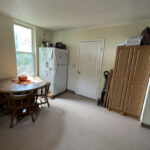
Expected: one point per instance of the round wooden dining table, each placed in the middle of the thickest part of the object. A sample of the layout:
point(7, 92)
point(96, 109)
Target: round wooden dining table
point(14, 89)
point(7, 86)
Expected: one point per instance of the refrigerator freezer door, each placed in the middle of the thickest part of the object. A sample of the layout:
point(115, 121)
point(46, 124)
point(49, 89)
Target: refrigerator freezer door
point(61, 56)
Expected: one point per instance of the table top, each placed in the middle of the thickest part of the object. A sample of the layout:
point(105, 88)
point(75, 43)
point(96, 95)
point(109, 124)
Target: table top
point(7, 86)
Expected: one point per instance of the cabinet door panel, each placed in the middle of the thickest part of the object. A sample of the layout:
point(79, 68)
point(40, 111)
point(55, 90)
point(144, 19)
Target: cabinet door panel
point(121, 68)
point(135, 94)
point(138, 80)
point(120, 77)
point(140, 65)
point(118, 93)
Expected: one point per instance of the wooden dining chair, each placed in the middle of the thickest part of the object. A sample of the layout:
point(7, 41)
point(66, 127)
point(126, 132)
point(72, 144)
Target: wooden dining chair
point(21, 104)
point(42, 95)
point(3, 103)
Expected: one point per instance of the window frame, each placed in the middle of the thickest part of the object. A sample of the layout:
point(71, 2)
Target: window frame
point(34, 54)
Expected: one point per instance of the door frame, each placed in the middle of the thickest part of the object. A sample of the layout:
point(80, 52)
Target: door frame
point(101, 62)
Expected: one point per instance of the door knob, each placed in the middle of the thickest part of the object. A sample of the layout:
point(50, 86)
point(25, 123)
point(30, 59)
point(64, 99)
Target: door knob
point(79, 72)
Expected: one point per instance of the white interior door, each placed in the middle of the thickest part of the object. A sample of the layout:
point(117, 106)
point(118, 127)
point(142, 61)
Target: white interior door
point(89, 67)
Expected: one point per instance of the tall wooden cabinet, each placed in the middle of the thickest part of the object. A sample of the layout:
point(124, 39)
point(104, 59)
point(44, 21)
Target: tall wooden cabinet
point(130, 78)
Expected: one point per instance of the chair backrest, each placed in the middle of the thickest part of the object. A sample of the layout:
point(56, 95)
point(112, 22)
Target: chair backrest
point(43, 91)
point(17, 102)
point(2, 99)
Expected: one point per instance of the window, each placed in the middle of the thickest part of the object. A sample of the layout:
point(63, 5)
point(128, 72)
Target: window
point(24, 50)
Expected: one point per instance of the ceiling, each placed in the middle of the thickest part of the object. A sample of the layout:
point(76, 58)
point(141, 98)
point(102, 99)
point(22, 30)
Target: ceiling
point(70, 14)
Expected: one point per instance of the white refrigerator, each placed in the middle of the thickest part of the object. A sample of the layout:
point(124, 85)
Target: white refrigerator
point(53, 66)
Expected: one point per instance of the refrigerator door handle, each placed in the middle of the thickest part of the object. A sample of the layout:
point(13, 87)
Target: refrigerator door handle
point(55, 62)
point(55, 71)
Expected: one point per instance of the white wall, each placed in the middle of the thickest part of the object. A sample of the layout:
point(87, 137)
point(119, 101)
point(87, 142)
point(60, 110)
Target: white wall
point(111, 35)
point(145, 116)
point(7, 48)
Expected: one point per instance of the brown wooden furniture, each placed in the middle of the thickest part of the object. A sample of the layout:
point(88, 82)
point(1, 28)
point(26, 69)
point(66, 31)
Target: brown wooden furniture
point(21, 104)
point(42, 94)
point(129, 80)
point(20, 93)
point(3, 102)
point(7, 86)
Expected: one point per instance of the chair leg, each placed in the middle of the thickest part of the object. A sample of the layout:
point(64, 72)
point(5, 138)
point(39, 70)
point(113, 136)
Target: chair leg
point(47, 102)
point(31, 114)
point(35, 106)
point(12, 119)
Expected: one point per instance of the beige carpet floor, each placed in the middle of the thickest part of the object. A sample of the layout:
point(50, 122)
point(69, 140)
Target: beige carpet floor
point(74, 123)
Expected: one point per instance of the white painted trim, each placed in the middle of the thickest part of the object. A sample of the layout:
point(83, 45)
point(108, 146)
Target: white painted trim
point(101, 63)
point(100, 70)
point(34, 53)
point(78, 50)
point(100, 26)
point(23, 24)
